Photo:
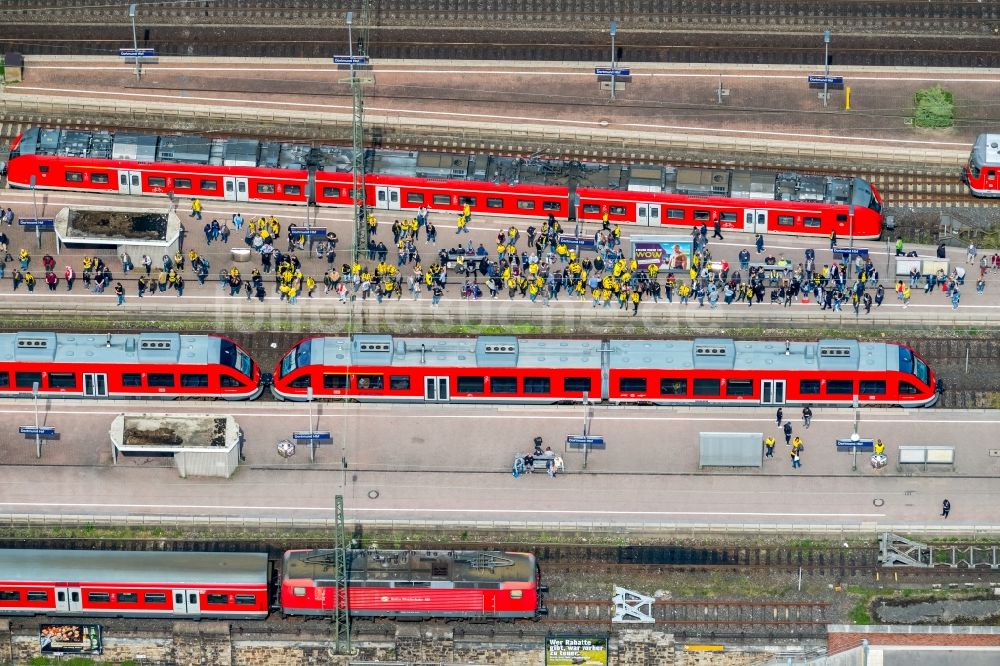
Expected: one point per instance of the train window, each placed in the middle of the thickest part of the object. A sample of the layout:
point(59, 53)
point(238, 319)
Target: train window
point(157, 181)
point(98, 177)
point(370, 382)
point(632, 385)
point(26, 379)
point(442, 200)
point(494, 202)
point(38, 596)
point(194, 381)
point(160, 379)
point(537, 385)
point(470, 201)
point(131, 379)
point(415, 197)
point(839, 387)
point(591, 209)
point(99, 597)
point(906, 388)
point(298, 591)
point(872, 387)
point(811, 221)
point(675, 213)
point(230, 382)
point(727, 217)
point(43, 168)
point(739, 387)
point(4, 379)
point(62, 380)
point(576, 384)
point(265, 188)
point(331, 192)
point(841, 217)
point(334, 381)
point(127, 597)
point(74, 176)
point(469, 384)
point(9, 595)
point(617, 210)
point(399, 382)
point(551, 205)
point(706, 387)
point(525, 204)
point(786, 220)
point(245, 599)
point(208, 185)
point(503, 385)
point(809, 386)
point(293, 190)
point(702, 215)
point(182, 183)
point(305, 381)
point(154, 598)
point(673, 386)
point(217, 599)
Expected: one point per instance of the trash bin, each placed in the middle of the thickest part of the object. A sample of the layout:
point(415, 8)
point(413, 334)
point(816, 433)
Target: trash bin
point(240, 254)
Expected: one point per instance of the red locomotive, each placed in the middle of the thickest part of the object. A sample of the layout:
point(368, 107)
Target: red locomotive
point(142, 365)
point(982, 173)
point(507, 369)
point(382, 583)
point(254, 171)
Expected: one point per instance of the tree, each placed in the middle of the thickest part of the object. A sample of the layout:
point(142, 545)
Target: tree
point(934, 107)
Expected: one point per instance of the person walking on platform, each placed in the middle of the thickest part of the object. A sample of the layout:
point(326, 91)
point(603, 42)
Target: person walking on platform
point(787, 428)
point(945, 508)
point(833, 240)
point(120, 293)
point(807, 415)
point(778, 416)
point(769, 447)
point(796, 459)
point(196, 209)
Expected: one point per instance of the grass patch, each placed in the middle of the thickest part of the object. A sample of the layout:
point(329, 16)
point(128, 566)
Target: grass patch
point(860, 613)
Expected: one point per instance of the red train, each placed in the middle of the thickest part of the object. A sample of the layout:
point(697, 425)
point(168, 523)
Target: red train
point(133, 365)
point(382, 583)
point(507, 369)
point(982, 173)
point(254, 171)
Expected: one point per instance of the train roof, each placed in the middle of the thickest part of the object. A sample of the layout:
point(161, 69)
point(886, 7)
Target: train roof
point(534, 170)
point(31, 565)
point(130, 348)
point(495, 351)
point(724, 353)
point(986, 150)
point(414, 565)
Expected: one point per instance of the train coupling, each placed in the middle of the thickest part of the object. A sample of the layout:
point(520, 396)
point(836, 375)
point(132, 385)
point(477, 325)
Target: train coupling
point(266, 378)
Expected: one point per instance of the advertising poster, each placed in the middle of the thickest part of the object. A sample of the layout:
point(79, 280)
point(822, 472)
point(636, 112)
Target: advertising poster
point(70, 639)
point(671, 253)
point(576, 651)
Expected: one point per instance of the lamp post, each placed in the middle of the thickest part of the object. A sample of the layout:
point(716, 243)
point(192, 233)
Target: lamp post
point(350, 39)
point(614, 31)
point(135, 42)
point(34, 205)
point(312, 442)
point(826, 65)
point(38, 437)
point(850, 222)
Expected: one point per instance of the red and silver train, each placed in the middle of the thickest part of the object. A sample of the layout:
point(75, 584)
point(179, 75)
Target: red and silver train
point(133, 365)
point(507, 369)
point(382, 583)
point(982, 173)
point(255, 171)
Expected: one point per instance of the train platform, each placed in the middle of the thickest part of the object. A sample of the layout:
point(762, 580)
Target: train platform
point(423, 464)
point(213, 301)
point(768, 109)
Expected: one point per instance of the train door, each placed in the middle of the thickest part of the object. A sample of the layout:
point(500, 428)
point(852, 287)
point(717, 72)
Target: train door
point(236, 188)
point(755, 220)
point(186, 602)
point(648, 215)
point(129, 182)
point(772, 392)
point(435, 389)
point(95, 385)
point(68, 599)
point(387, 198)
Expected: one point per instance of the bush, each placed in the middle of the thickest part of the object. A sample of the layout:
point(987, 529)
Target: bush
point(934, 107)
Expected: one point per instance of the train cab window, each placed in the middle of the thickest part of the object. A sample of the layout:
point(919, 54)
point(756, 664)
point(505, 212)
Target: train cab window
point(334, 193)
point(632, 385)
point(131, 379)
point(494, 202)
point(194, 381)
point(245, 599)
point(43, 168)
point(157, 181)
point(9, 595)
point(293, 190)
point(525, 204)
point(503, 385)
point(229, 382)
point(591, 209)
point(617, 210)
point(673, 386)
point(707, 387)
point(675, 213)
point(727, 217)
point(217, 599)
point(415, 197)
point(26, 379)
point(370, 382)
point(305, 381)
point(127, 598)
point(872, 387)
point(786, 221)
point(38, 596)
point(265, 188)
point(576, 384)
point(99, 597)
point(74, 176)
point(470, 201)
point(154, 598)
point(537, 385)
point(62, 380)
point(739, 387)
point(840, 387)
point(4, 379)
point(470, 384)
point(811, 221)
point(551, 205)
point(906, 388)
point(809, 386)
point(442, 200)
point(99, 178)
point(332, 381)
point(182, 183)
point(841, 217)
point(702, 215)
point(160, 379)
point(208, 185)
point(399, 382)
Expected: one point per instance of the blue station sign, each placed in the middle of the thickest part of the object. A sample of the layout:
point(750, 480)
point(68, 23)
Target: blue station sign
point(579, 442)
point(137, 53)
point(36, 222)
point(315, 435)
point(307, 231)
point(43, 431)
point(350, 60)
point(820, 79)
point(609, 71)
